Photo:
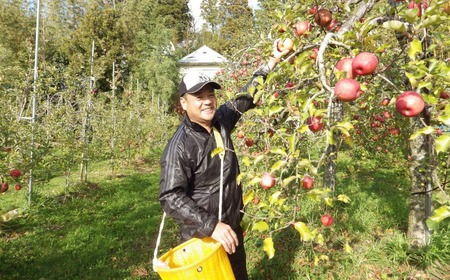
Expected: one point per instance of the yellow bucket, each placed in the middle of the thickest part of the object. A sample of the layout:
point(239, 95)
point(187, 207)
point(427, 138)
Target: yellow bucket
point(197, 259)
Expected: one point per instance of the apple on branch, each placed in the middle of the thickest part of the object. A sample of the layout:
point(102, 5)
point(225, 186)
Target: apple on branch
point(267, 181)
point(347, 90)
point(5, 187)
point(286, 45)
point(314, 52)
point(323, 17)
point(326, 220)
point(249, 142)
point(409, 104)
point(301, 27)
point(307, 182)
point(344, 66)
point(365, 63)
point(314, 123)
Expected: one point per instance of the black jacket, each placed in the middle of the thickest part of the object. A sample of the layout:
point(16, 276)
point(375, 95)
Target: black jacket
point(190, 178)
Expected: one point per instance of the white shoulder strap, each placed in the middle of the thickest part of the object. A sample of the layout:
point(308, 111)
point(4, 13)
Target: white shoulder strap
point(219, 144)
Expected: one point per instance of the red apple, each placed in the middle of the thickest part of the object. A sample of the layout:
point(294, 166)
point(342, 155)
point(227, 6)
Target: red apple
point(323, 17)
point(313, 10)
point(345, 66)
point(395, 131)
point(332, 25)
point(18, 187)
point(301, 27)
point(446, 7)
point(385, 101)
point(326, 220)
point(439, 131)
point(240, 134)
point(364, 63)
point(276, 94)
point(347, 90)
point(249, 142)
point(255, 200)
point(267, 181)
point(307, 182)
point(15, 173)
point(421, 6)
point(287, 44)
point(4, 187)
point(387, 115)
point(314, 123)
point(290, 84)
point(314, 52)
point(444, 95)
point(409, 104)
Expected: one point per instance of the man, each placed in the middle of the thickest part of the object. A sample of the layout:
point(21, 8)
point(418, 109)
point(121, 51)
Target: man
point(190, 177)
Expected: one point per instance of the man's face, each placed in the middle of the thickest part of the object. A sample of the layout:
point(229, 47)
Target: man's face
point(200, 106)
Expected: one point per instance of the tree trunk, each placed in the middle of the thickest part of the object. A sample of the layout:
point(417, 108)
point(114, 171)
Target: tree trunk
point(422, 168)
point(330, 166)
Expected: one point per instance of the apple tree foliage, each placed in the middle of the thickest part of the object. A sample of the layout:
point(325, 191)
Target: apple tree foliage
point(413, 54)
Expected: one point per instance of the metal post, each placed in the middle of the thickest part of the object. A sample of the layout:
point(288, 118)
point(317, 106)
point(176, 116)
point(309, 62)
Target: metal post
point(33, 103)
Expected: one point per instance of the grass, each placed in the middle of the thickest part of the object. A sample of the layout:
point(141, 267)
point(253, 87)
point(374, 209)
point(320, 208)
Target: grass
point(107, 228)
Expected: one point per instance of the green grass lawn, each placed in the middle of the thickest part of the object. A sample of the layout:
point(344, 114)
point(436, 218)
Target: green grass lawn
point(107, 229)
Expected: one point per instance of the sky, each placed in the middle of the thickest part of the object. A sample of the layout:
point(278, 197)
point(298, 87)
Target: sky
point(194, 5)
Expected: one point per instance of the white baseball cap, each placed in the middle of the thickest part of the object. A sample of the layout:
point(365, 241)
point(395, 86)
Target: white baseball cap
point(194, 81)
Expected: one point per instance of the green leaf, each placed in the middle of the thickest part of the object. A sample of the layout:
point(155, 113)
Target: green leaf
point(248, 197)
point(277, 165)
point(395, 25)
point(268, 247)
point(410, 14)
point(217, 151)
point(328, 201)
point(425, 84)
point(412, 79)
point(343, 198)
point(278, 151)
point(261, 226)
point(289, 179)
point(259, 158)
point(438, 215)
point(347, 248)
point(434, 20)
point(445, 119)
point(330, 137)
point(292, 143)
point(414, 48)
point(246, 161)
point(254, 181)
point(442, 143)
point(274, 197)
point(305, 233)
point(425, 130)
point(275, 109)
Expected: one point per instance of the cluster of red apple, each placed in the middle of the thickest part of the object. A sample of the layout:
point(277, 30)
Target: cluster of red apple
point(15, 174)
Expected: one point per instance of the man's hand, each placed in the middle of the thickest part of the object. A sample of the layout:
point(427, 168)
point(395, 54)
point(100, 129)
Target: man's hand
point(226, 236)
point(276, 55)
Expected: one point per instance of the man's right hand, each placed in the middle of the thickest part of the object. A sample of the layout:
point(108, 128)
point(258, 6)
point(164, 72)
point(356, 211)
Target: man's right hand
point(226, 236)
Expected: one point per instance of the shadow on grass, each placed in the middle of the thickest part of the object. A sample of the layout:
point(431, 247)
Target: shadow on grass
point(104, 231)
point(381, 193)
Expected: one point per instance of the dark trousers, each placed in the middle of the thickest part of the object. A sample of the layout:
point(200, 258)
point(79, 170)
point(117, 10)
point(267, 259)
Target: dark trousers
point(238, 260)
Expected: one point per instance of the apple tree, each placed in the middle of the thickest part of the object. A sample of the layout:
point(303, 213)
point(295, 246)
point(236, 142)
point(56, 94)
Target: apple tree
point(311, 108)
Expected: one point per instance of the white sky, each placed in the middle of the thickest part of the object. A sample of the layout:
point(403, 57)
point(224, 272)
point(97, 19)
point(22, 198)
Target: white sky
point(194, 5)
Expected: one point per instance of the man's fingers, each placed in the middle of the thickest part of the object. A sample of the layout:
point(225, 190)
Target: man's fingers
point(226, 236)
